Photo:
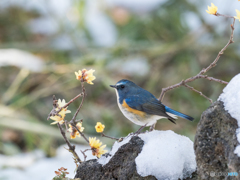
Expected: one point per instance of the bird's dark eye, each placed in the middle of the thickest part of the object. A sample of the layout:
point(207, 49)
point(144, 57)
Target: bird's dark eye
point(122, 86)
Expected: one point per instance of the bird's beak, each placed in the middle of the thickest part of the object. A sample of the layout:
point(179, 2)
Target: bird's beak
point(113, 86)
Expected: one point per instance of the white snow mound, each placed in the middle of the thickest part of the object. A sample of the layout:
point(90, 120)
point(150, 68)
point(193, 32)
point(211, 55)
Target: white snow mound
point(231, 100)
point(166, 155)
point(104, 160)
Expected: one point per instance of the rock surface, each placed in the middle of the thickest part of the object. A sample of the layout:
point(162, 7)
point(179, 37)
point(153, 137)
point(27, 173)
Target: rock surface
point(121, 166)
point(215, 142)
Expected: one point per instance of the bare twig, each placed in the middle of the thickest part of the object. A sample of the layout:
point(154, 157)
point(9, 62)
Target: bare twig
point(65, 122)
point(213, 79)
point(214, 63)
point(80, 120)
point(204, 70)
point(66, 105)
point(71, 147)
point(84, 155)
point(80, 106)
point(217, 14)
point(190, 87)
point(104, 135)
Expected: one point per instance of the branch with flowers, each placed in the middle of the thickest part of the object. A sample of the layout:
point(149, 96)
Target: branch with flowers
point(75, 127)
point(201, 75)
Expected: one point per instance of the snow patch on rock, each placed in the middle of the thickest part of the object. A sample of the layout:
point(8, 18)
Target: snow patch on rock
point(166, 155)
point(231, 100)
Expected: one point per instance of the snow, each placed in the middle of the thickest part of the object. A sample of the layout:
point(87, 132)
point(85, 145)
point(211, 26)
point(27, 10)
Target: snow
point(231, 100)
point(22, 160)
point(166, 155)
point(105, 159)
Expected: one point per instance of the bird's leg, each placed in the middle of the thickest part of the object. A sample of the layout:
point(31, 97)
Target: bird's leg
point(152, 127)
point(140, 129)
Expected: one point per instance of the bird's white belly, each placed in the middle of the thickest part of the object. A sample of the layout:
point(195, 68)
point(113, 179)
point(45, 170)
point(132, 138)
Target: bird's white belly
point(140, 120)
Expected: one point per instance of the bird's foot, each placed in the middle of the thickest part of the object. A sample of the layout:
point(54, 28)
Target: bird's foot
point(139, 131)
point(152, 127)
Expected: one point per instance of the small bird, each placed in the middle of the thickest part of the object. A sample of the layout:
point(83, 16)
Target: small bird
point(141, 107)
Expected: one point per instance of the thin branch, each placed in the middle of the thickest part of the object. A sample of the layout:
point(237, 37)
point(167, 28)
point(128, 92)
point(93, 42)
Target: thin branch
point(214, 63)
point(71, 147)
point(66, 105)
point(80, 106)
point(104, 135)
point(82, 134)
point(217, 14)
point(204, 70)
point(190, 87)
point(84, 155)
point(213, 79)
point(73, 122)
point(55, 105)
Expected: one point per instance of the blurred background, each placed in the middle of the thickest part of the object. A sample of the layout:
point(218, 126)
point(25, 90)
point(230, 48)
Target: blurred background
point(155, 43)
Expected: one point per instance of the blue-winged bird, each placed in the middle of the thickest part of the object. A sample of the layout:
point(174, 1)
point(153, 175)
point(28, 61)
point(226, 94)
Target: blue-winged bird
point(141, 107)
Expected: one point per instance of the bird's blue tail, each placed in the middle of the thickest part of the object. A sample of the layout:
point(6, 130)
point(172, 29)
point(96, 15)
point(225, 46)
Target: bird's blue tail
point(169, 110)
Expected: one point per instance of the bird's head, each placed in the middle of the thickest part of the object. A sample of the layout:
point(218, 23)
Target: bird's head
point(124, 87)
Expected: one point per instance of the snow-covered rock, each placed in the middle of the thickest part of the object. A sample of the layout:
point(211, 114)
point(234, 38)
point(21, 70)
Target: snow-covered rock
point(231, 100)
point(157, 154)
point(215, 143)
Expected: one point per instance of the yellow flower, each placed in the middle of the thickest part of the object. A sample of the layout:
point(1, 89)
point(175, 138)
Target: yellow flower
point(94, 143)
point(99, 127)
point(75, 132)
point(87, 76)
point(63, 112)
point(212, 10)
point(95, 146)
point(99, 152)
point(238, 15)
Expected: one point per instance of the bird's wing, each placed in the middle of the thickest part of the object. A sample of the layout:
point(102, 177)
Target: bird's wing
point(149, 105)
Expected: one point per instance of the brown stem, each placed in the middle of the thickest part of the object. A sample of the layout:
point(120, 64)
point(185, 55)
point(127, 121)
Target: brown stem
point(217, 14)
point(84, 155)
point(80, 106)
point(82, 134)
point(213, 79)
point(66, 105)
point(204, 70)
point(104, 135)
point(214, 63)
point(73, 122)
point(71, 147)
point(55, 105)
point(190, 87)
